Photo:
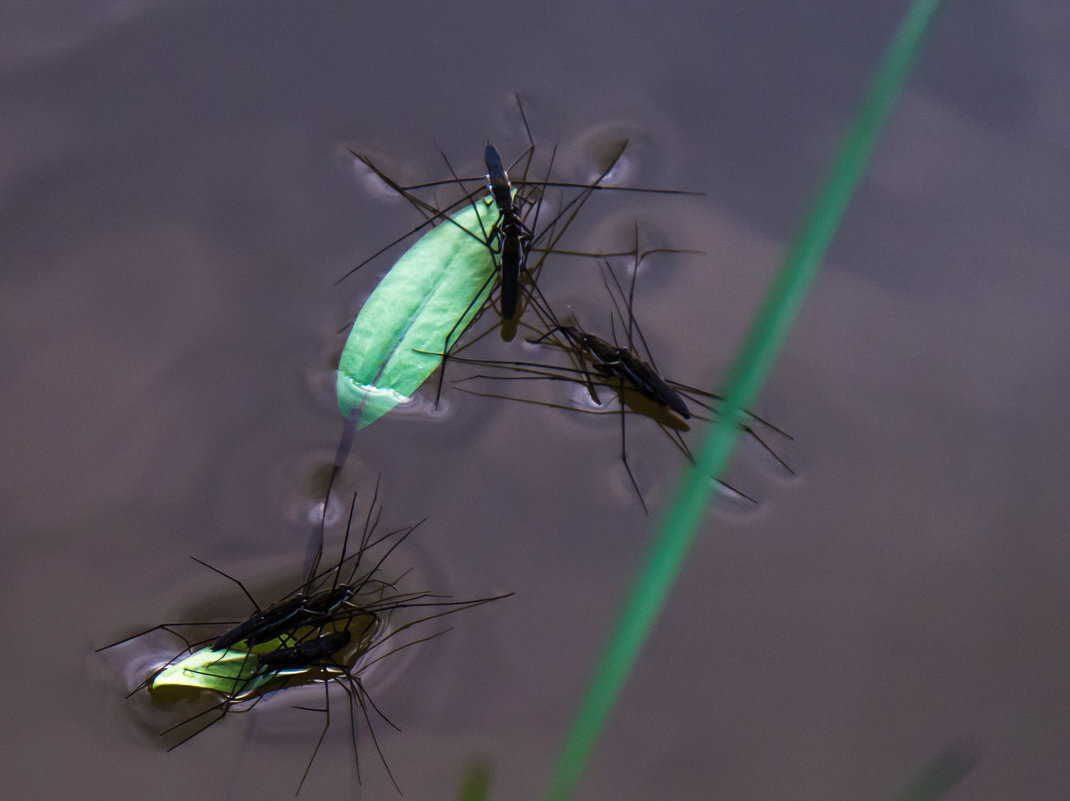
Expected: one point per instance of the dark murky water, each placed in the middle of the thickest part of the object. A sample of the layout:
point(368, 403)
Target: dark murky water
point(176, 204)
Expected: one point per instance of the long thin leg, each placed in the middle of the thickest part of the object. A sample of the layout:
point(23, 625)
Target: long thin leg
point(221, 708)
point(420, 204)
point(229, 577)
point(361, 694)
point(766, 446)
point(433, 215)
point(326, 725)
point(345, 445)
point(447, 344)
point(749, 430)
point(701, 397)
point(167, 627)
point(345, 539)
point(369, 527)
point(394, 545)
point(678, 440)
point(352, 728)
point(358, 585)
point(624, 450)
point(485, 235)
point(547, 404)
point(527, 130)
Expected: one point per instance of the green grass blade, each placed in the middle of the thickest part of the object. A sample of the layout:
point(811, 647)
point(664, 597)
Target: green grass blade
point(475, 786)
point(939, 776)
point(414, 307)
point(750, 367)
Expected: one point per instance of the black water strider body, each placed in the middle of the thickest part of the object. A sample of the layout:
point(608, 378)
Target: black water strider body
point(624, 364)
point(510, 232)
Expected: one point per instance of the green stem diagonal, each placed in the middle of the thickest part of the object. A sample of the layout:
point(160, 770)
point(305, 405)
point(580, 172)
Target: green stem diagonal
point(749, 370)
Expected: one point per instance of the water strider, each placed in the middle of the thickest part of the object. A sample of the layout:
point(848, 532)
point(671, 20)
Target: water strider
point(626, 368)
point(516, 233)
point(328, 631)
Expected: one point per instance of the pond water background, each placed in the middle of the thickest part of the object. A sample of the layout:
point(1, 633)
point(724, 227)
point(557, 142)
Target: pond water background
point(176, 202)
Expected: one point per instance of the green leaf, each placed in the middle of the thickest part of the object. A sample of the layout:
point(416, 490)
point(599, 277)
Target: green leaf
point(234, 671)
point(229, 671)
point(414, 308)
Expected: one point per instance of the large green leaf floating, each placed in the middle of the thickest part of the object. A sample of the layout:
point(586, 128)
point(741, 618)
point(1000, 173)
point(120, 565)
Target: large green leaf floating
point(435, 288)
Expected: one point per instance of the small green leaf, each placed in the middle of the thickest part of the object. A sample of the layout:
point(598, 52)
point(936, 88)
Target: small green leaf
point(435, 288)
point(236, 671)
point(230, 671)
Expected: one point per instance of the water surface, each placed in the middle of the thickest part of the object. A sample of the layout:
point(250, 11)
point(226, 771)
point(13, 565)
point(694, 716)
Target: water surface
point(176, 204)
